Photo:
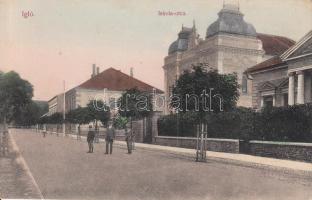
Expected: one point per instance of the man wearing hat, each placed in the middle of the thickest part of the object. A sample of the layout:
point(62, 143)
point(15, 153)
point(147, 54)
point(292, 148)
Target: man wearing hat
point(110, 135)
point(90, 139)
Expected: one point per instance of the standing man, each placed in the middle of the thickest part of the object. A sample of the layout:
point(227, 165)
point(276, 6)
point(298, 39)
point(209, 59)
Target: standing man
point(110, 135)
point(5, 142)
point(129, 140)
point(90, 139)
point(78, 133)
point(1, 138)
point(4, 139)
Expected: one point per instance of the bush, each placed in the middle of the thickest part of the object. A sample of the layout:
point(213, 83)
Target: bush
point(180, 125)
point(292, 124)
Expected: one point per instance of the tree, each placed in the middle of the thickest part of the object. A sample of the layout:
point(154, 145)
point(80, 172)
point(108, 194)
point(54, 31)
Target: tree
point(135, 104)
point(203, 92)
point(15, 94)
point(31, 113)
point(43, 107)
point(79, 116)
point(98, 111)
point(56, 118)
point(43, 120)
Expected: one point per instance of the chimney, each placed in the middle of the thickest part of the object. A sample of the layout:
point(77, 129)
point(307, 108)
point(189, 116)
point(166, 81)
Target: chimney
point(131, 71)
point(93, 70)
point(97, 70)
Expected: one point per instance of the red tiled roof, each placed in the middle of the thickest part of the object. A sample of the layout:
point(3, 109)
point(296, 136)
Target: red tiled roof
point(113, 79)
point(275, 45)
point(272, 62)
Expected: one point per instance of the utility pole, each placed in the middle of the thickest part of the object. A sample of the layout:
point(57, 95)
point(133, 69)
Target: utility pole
point(64, 104)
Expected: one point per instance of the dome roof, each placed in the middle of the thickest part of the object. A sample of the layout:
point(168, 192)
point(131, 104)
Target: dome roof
point(181, 44)
point(231, 20)
point(178, 45)
point(173, 47)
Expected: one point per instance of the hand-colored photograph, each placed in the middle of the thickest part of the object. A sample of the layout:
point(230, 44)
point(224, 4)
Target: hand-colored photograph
point(156, 100)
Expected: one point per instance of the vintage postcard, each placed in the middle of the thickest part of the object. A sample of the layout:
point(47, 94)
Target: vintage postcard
point(156, 100)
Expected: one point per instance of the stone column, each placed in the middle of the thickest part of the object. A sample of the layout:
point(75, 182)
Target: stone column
point(291, 89)
point(262, 102)
point(300, 96)
point(274, 100)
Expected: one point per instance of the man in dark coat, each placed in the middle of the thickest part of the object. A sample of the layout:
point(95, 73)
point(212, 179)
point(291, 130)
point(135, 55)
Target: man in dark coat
point(110, 135)
point(90, 139)
point(129, 139)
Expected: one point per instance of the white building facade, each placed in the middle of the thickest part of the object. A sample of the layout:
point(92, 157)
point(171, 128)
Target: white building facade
point(286, 79)
point(231, 45)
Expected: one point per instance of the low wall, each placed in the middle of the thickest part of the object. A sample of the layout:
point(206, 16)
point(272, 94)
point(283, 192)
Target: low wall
point(219, 145)
point(282, 150)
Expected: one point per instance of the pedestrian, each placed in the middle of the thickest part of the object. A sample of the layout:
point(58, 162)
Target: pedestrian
point(4, 141)
point(110, 135)
point(90, 139)
point(129, 140)
point(78, 133)
point(44, 130)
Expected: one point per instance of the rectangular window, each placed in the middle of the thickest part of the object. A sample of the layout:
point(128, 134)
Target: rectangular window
point(244, 85)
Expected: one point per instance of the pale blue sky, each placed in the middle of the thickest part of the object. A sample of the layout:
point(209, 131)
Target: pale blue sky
point(64, 37)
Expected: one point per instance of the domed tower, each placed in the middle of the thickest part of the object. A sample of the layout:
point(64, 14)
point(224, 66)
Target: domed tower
point(236, 46)
point(231, 21)
point(187, 41)
point(231, 45)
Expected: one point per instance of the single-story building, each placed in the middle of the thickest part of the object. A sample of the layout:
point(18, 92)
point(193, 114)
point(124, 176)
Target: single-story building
point(284, 80)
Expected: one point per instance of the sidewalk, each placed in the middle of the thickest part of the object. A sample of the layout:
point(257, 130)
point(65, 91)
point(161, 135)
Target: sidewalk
point(248, 160)
point(287, 164)
point(15, 181)
point(254, 160)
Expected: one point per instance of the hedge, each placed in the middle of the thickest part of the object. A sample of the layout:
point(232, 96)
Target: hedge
point(293, 124)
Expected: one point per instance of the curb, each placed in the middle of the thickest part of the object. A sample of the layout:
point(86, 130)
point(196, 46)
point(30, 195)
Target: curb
point(287, 166)
point(21, 161)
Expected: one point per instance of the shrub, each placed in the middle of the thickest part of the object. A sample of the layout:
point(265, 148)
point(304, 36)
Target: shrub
point(180, 125)
point(292, 123)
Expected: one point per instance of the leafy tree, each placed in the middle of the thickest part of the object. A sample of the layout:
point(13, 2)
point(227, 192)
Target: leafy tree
point(43, 120)
point(135, 104)
point(15, 94)
point(98, 111)
point(56, 118)
point(43, 107)
point(202, 92)
point(79, 116)
point(31, 113)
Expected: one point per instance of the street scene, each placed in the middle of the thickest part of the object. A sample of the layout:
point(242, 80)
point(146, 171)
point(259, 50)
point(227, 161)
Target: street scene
point(147, 174)
point(150, 100)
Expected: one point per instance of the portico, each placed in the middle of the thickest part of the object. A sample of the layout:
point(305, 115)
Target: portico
point(299, 89)
point(285, 79)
